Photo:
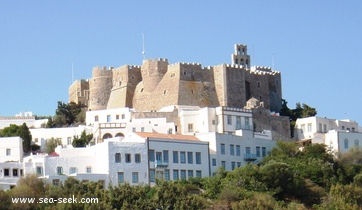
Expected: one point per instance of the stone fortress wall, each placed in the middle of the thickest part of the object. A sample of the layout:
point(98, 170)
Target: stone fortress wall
point(157, 83)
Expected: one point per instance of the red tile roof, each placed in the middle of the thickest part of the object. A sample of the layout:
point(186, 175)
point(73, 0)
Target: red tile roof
point(167, 136)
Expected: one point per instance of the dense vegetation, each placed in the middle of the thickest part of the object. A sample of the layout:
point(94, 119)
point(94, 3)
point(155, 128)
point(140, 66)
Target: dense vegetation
point(67, 114)
point(288, 178)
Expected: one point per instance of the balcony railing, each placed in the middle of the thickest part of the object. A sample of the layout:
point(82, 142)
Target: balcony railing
point(250, 157)
point(161, 164)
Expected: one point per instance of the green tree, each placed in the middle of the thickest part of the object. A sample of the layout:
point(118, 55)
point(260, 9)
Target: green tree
point(83, 140)
point(51, 144)
point(22, 131)
point(68, 114)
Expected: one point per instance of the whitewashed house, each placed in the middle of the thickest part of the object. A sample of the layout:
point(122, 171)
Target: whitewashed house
point(11, 156)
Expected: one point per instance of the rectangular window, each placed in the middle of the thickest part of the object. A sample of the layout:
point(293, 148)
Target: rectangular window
point(6, 172)
point(151, 155)
point(175, 175)
point(183, 174)
point(198, 174)
point(159, 157)
point(302, 127)
point(182, 157)
point(56, 182)
point(232, 165)
point(21, 172)
point(120, 176)
point(96, 118)
point(133, 129)
point(117, 117)
point(213, 162)
point(8, 152)
point(223, 164)
point(175, 156)
point(134, 177)
point(345, 143)
point(142, 129)
point(165, 156)
point(237, 150)
point(72, 170)
point(137, 158)
point(238, 164)
point(89, 169)
point(15, 172)
point(109, 118)
point(238, 123)
point(128, 157)
point(190, 127)
point(190, 173)
point(190, 157)
point(309, 127)
point(69, 140)
point(152, 175)
point(39, 170)
point(117, 157)
point(59, 170)
point(247, 150)
point(198, 157)
point(123, 116)
point(222, 146)
point(263, 151)
point(258, 151)
point(324, 128)
point(320, 128)
point(247, 123)
point(167, 174)
point(229, 120)
point(232, 149)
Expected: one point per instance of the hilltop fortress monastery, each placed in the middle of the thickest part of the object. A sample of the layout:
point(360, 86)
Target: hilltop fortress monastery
point(157, 84)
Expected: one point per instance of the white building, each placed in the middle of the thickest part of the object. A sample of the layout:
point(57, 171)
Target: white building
point(231, 151)
point(29, 120)
point(11, 155)
point(339, 135)
point(66, 135)
point(137, 158)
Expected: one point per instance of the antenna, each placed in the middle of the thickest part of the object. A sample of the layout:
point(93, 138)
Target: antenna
point(143, 46)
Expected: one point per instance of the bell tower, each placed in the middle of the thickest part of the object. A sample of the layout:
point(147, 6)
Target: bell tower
point(240, 56)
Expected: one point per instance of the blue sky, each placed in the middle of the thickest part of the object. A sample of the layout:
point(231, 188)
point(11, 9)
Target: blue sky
point(316, 45)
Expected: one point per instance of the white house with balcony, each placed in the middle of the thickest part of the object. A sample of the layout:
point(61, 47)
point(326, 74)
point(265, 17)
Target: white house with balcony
point(11, 156)
point(338, 135)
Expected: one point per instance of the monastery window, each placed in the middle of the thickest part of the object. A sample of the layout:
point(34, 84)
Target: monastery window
point(183, 174)
point(108, 118)
point(59, 170)
point(175, 175)
point(237, 150)
point(345, 143)
point(72, 170)
point(223, 164)
point(6, 172)
point(96, 118)
point(152, 175)
point(182, 157)
point(232, 150)
point(229, 121)
point(120, 176)
point(190, 173)
point(15, 172)
point(167, 174)
point(247, 150)
point(117, 117)
point(198, 157)
point(56, 182)
point(137, 158)
point(190, 127)
point(213, 162)
point(258, 151)
point(190, 158)
point(222, 149)
point(232, 165)
point(128, 157)
point(39, 170)
point(165, 156)
point(356, 143)
point(8, 152)
point(175, 156)
point(151, 155)
point(238, 123)
point(309, 127)
point(247, 123)
point(263, 151)
point(134, 177)
point(117, 157)
point(123, 116)
point(88, 169)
